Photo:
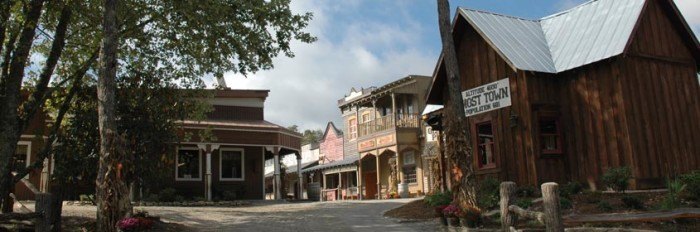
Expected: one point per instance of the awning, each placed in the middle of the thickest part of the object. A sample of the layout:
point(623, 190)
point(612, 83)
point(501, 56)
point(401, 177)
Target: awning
point(293, 168)
point(341, 163)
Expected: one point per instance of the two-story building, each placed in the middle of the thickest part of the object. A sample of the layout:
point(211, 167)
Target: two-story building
point(233, 163)
point(384, 130)
point(335, 178)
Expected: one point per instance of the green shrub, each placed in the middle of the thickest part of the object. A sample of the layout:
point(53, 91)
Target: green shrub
point(439, 199)
point(632, 202)
point(167, 195)
point(692, 184)
point(570, 189)
point(526, 191)
point(524, 203)
point(565, 203)
point(179, 198)
point(617, 178)
point(488, 193)
point(604, 206)
point(672, 199)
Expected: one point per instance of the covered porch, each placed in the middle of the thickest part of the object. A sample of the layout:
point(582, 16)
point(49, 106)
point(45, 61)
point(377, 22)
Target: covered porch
point(338, 181)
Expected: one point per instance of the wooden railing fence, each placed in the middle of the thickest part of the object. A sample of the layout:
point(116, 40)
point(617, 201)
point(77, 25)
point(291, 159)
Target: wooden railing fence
point(550, 217)
point(46, 215)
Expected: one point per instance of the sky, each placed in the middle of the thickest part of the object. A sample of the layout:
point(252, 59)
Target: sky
point(364, 43)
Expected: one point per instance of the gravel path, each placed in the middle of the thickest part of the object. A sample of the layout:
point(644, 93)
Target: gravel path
point(271, 216)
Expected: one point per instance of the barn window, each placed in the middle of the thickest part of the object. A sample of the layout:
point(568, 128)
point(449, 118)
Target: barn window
point(21, 157)
point(550, 135)
point(189, 163)
point(486, 157)
point(231, 163)
point(409, 167)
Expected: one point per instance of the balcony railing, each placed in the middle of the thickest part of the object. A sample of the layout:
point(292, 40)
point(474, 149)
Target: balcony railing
point(387, 122)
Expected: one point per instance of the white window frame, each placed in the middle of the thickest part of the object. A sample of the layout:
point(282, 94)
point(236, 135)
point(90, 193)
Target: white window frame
point(177, 161)
point(29, 155)
point(221, 173)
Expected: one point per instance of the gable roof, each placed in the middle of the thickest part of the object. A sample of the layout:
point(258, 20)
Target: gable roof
point(329, 127)
point(590, 32)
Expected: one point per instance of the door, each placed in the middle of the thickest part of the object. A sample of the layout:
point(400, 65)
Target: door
point(370, 183)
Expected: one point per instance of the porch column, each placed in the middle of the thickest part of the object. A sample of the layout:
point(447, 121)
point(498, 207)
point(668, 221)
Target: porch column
point(399, 167)
point(359, 179)
point(379, 179)
point(323, 190)
point(393, 107)
point(208, 148)
point(340, 186)
point(301, 179)
point(278, 180)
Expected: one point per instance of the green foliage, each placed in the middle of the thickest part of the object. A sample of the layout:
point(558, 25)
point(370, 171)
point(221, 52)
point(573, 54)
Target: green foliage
point(167, 195)
point(565, 203)
point(523, 203)
point(604, 206)
point(438, 199)
point(527, 191)
point(632, 202)
point(692, 183)
point(672, 199)
point(488, 193)
point(570, 189)
point(617, 178)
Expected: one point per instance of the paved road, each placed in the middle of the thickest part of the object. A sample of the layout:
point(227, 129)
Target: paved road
point(273, 216)
point(328, 216)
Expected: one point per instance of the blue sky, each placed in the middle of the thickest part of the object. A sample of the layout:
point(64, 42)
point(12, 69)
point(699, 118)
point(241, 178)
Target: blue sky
point(365, 43)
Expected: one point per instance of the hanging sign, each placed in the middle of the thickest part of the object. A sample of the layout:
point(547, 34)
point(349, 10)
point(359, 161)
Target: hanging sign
point(487, 97)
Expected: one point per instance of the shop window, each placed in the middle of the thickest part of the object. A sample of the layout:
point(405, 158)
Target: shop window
point(189, 164)
point(550, 135)
point(486, 157)
point(409, 167)
point(231, 163)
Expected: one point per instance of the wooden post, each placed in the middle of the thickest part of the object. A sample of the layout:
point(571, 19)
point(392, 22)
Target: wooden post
point(43, 206)
point(508, 218)
point(552, 209)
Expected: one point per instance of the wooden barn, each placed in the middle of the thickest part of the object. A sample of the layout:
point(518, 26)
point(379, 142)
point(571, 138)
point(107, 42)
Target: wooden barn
point(606, 84)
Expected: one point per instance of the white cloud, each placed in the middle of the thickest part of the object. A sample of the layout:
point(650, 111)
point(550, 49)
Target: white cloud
point(305, 89)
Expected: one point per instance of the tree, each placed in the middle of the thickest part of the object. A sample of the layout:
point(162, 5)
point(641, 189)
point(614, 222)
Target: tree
point(176, 41)
point(112, 195)
point(311, 136)
point(458, 149)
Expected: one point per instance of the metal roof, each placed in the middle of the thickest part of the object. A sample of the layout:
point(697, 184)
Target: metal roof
point(346, 162)
point(593, 31)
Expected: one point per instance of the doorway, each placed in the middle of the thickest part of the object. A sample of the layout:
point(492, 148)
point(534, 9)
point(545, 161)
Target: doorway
point(370, 183)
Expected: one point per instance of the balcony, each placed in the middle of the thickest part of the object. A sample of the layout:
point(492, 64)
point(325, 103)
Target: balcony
point(388, 122)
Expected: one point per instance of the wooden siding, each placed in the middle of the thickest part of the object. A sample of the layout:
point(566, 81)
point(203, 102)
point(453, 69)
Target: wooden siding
point(640, 109)
point(236, 113)
point(481, 64)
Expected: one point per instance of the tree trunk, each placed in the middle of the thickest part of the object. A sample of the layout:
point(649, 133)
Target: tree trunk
point(12, 83)
point(111, 192)
point(458, 149)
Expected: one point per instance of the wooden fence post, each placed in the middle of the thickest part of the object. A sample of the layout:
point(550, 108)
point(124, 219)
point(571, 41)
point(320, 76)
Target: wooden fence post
point(552, 209)
point(44, 223)
point(508, 219)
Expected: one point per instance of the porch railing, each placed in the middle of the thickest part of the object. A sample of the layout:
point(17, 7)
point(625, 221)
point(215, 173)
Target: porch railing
point(387, 122)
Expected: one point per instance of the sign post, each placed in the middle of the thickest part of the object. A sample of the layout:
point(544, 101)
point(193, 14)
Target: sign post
point(487, 97)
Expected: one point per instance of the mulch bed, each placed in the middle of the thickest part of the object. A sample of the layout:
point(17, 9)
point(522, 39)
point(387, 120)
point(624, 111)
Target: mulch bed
point(415, 210)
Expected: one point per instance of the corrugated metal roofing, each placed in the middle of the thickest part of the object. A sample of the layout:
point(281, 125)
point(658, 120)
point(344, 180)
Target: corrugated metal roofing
point(590, 32)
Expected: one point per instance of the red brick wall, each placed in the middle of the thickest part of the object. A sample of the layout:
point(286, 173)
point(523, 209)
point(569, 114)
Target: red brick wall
point(332, 147)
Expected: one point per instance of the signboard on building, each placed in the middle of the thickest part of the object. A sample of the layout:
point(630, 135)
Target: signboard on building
point(487, 97)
